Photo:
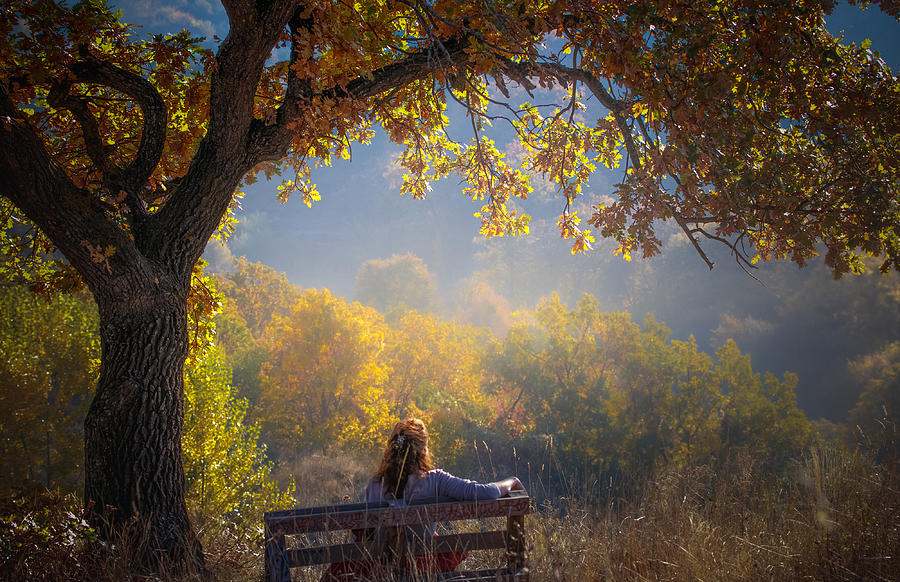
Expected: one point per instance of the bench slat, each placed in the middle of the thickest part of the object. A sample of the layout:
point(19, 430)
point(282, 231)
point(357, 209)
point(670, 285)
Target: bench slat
point(460, 542)
point(336, 517)
point(344, 508)
point(352, 552)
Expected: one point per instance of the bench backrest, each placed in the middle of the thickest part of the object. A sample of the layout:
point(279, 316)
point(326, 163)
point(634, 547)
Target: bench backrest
point(389, 520)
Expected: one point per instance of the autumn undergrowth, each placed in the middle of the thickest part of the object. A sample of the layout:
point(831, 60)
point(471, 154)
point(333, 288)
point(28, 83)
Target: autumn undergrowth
point(44, 535)
point(835, 515)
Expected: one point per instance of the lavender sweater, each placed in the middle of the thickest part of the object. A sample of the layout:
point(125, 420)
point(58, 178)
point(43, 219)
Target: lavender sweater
point(436, 484)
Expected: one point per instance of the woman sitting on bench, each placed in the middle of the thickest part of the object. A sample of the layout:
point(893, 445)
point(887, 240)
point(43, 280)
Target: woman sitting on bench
point(407, 473)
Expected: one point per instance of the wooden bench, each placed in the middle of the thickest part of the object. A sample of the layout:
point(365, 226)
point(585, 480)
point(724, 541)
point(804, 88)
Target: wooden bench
point(389, 541)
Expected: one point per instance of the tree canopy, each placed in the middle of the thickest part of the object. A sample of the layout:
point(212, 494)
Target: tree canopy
point(745, 123)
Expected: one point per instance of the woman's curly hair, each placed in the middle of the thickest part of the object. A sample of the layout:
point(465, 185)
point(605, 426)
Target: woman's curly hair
point(407, 453)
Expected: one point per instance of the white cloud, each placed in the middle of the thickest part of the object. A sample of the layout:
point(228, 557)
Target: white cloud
point(176, 16)
point(677, 239)
point(143, 8)
point(204, 4)
point(515, 153)
point(393, 172)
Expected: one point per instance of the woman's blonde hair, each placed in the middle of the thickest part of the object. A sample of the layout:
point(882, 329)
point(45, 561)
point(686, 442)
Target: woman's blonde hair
point(406, 454)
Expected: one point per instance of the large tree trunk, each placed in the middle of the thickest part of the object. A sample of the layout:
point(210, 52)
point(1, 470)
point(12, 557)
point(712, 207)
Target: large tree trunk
point(133, 468)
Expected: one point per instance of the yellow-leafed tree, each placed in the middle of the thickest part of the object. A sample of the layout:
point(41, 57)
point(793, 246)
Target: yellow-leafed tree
point(436, 372)
point(323, 384)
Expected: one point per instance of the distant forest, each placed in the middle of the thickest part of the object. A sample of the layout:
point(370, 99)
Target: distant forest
point(277, 372)
point(788, 319)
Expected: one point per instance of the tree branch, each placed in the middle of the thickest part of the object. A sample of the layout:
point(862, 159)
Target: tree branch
point(60, 98)
point(739, 256)
point(240, 62)
point(273, 141)
point(690, 234)
point(297, 87)
point(178, 233)
point(517, 70)
point(241, 13)
point(153, 133)
point(69, 216)
point(113, 181)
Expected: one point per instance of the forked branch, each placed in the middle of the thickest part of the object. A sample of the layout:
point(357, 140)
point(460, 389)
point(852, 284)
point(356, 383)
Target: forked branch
point(153, 134)
point(271, 142)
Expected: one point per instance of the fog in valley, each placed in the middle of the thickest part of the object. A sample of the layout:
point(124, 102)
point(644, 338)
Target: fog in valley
point(788, 319)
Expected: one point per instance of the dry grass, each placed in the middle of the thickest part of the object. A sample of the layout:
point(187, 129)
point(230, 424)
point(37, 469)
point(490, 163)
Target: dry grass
point(335, 477)
point(838, 520)
point(837, 517)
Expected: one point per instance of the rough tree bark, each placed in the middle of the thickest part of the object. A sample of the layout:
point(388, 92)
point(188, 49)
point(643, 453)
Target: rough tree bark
point(133, 467)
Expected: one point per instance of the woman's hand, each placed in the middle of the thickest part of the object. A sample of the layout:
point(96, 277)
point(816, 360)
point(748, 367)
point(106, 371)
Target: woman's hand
point(509, 484)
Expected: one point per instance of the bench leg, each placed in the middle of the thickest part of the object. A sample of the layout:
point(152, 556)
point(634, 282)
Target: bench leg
point(515, 544)
point(276, 566)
